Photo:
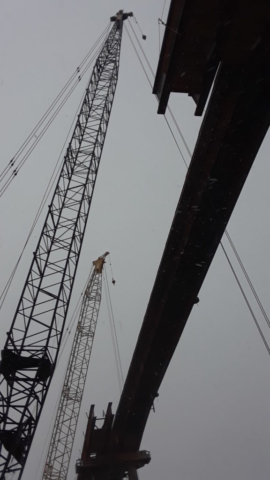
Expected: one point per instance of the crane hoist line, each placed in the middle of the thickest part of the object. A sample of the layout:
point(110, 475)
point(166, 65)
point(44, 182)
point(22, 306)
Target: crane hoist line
point(30, 353)
point(63, 434)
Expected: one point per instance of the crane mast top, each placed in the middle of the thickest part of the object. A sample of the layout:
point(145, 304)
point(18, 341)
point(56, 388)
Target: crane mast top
point(120, 17)
point(99, 263)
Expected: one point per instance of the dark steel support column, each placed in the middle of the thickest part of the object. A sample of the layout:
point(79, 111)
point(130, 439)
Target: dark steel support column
point(133, 474)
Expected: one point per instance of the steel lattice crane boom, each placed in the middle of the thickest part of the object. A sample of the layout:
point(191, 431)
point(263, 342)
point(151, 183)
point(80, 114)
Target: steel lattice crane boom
point(58, 457)
point(30, 353)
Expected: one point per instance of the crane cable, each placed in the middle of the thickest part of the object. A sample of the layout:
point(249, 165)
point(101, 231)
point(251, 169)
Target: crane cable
point(40, 209)
point(248, 278)
point(150, 83)
point(114, 333)
point(246, 300)
point(226, 232)
point(161, 18)
point(110, 262)
point(169, 108)
point(33, 132)
point(43, 131)
point(114, 337)
point(114, 329)
point(73, 318)
point(38, 137)
point(46, 194)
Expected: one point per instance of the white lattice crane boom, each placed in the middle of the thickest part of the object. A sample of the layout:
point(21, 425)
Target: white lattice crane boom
point(59, 453)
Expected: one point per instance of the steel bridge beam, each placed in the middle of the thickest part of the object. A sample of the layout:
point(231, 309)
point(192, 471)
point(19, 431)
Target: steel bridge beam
point(200, 51)
point(235, 123)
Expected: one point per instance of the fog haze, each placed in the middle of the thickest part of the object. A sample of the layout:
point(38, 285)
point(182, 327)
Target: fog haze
point(211, 420)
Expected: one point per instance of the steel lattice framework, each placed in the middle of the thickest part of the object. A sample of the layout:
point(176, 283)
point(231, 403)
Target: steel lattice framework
point(33, 341)
point(59, 453)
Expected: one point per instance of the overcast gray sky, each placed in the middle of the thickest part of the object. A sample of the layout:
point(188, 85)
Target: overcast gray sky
point(212, 415)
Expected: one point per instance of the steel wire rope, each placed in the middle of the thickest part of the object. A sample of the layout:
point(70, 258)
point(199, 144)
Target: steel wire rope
point(116, 356)
point(190, 154)
point(41, 206)
point(165, 1)
point(246, 300)
point(48, 111)
point(112, 335)
point(136, 21)
point(33, 133)
point(247, 278)
point(45, 197)
point(43, 131)
point(150, 83)
point(227, 234)
point(114, 328)
point(161, 17)
point(47, 125)
point(26, 156)
point(111, 266)
point(73, 318)
point(169, 108)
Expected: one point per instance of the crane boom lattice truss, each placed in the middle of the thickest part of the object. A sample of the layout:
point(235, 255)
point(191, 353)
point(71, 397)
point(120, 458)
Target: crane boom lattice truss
point(30, 353)
point(59, 453)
